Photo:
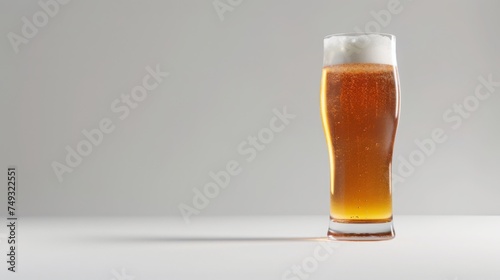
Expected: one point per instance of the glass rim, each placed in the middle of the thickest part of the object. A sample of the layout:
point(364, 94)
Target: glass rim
point(359, 34)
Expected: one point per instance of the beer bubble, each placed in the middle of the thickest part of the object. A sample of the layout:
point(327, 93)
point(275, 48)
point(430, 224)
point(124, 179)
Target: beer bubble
point(356, 48)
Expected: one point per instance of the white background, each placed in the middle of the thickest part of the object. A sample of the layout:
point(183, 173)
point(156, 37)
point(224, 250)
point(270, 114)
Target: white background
point(227, 74)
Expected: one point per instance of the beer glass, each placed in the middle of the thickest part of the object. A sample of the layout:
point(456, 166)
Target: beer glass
point(360, 110)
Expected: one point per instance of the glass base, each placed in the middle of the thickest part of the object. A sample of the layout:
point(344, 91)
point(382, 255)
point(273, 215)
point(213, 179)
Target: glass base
point(361, 231)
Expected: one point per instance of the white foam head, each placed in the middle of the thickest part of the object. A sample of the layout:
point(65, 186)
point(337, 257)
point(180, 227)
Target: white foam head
point(360, 48)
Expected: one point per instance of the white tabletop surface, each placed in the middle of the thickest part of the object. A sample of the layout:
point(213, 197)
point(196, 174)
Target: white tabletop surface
point(251, 247)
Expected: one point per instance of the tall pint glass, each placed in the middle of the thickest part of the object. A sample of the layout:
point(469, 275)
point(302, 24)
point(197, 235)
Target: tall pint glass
point(360, 110)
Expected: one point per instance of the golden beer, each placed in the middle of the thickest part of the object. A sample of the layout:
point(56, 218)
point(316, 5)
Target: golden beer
point(360, 110)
